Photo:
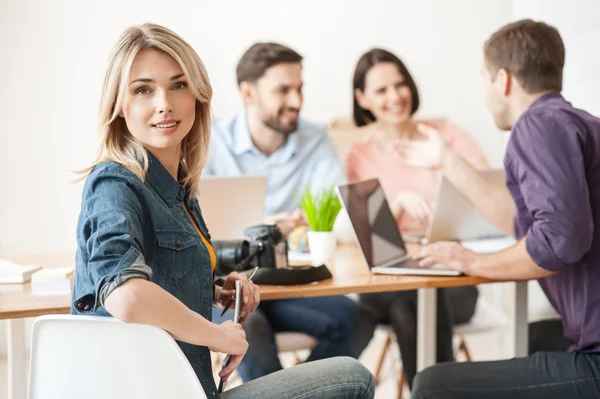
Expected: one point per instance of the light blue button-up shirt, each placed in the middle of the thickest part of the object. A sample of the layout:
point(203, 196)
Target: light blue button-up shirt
point(306, 159)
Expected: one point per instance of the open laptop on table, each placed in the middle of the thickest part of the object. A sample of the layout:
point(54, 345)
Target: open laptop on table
point(231, 204)
point(455, 218)
point(377, 234)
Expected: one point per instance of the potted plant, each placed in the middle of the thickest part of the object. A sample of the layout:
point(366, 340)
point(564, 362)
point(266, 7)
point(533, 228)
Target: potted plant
point(320, 210)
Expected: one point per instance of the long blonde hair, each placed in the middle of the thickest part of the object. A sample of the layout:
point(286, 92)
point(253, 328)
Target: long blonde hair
point(117, 143)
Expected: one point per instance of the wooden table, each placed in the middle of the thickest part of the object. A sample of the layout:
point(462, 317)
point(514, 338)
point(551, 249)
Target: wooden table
point(350, 275)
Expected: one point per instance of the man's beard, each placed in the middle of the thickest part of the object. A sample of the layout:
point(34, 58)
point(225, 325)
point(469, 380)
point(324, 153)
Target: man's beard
point(274, 124)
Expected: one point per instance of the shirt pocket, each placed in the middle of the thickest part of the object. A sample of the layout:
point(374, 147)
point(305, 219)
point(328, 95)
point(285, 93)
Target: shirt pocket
point(177, 252)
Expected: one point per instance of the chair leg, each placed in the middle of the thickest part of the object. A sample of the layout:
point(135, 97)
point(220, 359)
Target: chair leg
point(402, 383)
point(386, 345)
point(463, 347)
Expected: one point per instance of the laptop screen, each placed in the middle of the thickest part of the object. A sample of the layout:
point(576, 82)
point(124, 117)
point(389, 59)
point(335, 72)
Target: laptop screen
point(376, 230)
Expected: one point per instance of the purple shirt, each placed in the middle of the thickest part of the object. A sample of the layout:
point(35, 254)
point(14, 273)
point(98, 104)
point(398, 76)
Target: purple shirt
point(553, 174)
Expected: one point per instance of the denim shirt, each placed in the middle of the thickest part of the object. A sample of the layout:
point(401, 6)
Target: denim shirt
point(126, 224)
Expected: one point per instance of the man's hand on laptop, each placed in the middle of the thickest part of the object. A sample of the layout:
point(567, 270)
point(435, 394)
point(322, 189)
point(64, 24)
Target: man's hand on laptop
point(450, 254)
point(412, 203)
point(287, 221)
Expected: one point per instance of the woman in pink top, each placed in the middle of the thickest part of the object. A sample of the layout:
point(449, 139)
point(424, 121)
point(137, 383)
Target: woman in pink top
point(385, 100)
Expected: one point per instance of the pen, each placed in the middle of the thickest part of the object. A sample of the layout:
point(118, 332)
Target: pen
point(236, 319)
point(226, 308)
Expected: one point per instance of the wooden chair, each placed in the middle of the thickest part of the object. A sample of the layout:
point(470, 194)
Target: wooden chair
point(487, 318)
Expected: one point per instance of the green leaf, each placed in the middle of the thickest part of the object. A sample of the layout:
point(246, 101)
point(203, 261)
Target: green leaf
point(321, 209)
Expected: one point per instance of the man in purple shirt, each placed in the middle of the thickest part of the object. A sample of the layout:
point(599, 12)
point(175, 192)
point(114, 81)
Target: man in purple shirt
point(553, 175)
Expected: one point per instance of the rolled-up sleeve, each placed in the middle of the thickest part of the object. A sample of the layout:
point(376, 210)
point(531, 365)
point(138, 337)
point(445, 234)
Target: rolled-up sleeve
point(548, 162)
point(111, 227)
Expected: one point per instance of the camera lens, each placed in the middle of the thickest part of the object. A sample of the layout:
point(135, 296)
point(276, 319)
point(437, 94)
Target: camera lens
point(229, 254)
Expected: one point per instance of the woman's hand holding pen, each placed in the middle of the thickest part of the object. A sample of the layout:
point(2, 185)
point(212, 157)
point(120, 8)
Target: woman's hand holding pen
point(250, 294)
point(234, 342)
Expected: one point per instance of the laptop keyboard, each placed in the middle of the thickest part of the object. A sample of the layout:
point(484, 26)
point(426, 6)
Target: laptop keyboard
point(407, 263)
point(414, 264)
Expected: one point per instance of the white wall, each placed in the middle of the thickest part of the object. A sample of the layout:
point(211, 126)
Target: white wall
point(577, 22)
point(54, 54)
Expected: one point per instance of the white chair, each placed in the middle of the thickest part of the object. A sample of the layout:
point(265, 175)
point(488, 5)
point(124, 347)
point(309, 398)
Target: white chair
point(294, 342)
point(538, 306)
point(75, 357)
point(486, 318)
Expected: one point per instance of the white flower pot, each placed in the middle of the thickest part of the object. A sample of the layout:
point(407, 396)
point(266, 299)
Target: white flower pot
point(322, 246)
point(343, 229)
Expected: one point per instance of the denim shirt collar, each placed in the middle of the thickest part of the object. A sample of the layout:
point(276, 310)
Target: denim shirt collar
point(161, 180)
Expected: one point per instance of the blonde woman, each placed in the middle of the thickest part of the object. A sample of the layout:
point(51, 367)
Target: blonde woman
point(144, 253)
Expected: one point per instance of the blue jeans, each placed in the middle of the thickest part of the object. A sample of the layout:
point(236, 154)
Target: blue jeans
point(551, 373)
point(333, 321)
point(548, 375)
point(340, 377)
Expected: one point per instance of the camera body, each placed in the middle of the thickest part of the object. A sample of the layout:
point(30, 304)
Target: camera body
point(266, 247)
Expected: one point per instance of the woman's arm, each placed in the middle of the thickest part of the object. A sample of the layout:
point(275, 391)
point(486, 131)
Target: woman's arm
point(463, 144)
point(111, 232)
point(143, 302)
point(492, 200)
point(462, 165)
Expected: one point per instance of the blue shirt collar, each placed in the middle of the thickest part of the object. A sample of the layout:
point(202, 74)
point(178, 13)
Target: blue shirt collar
point(288, 149)
point(242, 142)
point(163, 183)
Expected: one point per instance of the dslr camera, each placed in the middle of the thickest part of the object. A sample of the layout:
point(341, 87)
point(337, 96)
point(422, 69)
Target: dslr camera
point(265, 247)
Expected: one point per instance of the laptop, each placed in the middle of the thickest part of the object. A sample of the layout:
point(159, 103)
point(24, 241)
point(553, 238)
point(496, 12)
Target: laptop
point(225, 216)
point(377, 234)
point(455, 218)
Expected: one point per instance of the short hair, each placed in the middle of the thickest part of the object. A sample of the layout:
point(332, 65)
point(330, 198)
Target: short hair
point(262, 56)
point(531, 51)
point(367, 61)
point(117, 143)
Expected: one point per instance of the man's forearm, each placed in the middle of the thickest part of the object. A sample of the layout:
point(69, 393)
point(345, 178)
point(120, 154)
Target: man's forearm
point(513, 263)
point(493, 201)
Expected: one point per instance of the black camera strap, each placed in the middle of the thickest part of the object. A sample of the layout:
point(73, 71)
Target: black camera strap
point(291, 276)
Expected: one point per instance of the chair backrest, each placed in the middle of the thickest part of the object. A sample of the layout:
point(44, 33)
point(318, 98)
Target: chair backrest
point(100, 357)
